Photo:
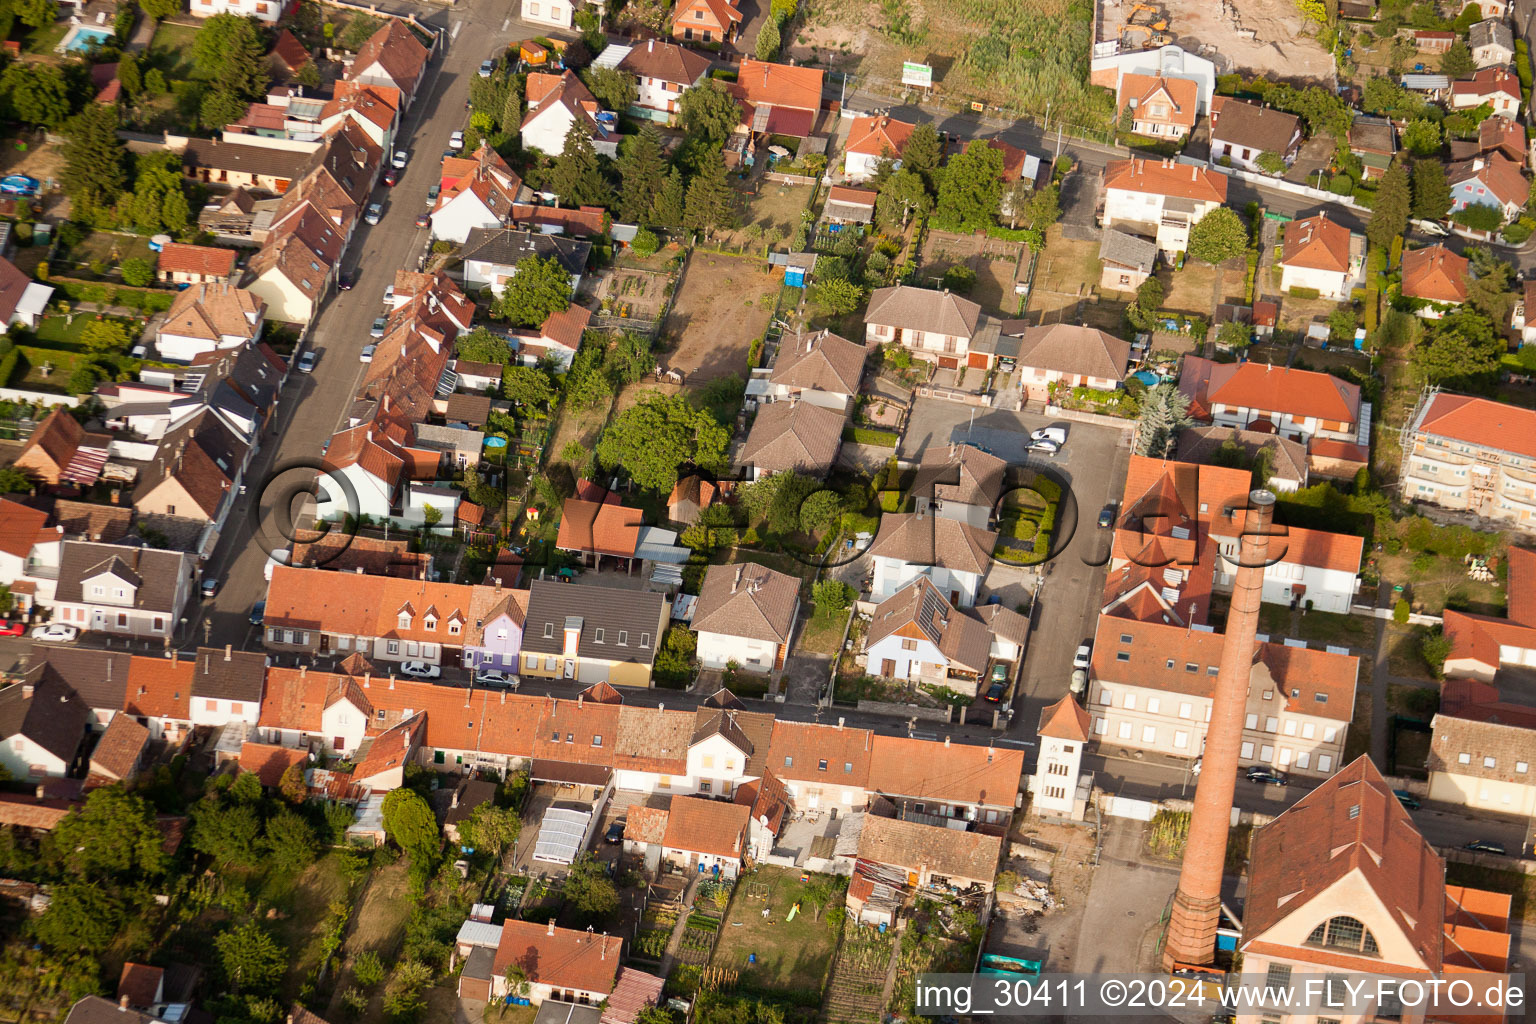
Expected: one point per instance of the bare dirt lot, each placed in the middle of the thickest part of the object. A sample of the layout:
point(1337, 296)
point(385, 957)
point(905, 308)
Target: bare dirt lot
point(1066, 287)
point(997, 265)
point(1278, 49)
point(625, 291)
point(770, 211)
point(1193, 288)
point(722, 304)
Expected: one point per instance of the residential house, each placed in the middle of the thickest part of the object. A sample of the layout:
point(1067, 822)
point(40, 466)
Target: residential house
point(554, 13)
point(706, 21)
point(230, 216)
point(196, 471)
point(793, 436)
point(180, 263)
point(30, 550)
point(776, 99)
point(381, 768)
point(240, 165)
point(871, 140)
point(847, 205)
point(1480, 750)
point(60, 451)
point(1064, 731)
point(1437, 276)
point(132, 591)
point(1152, 683)
point(1502, 135)
point(1127, 260)
point(394, 57)
point(42, 725)
point(1166, 61)
point(288, 55)
point(1067, 356)
point(227, 686)
point(119, 753)
point(22, 300)
point(491, 256)
point(501, 637)
point(478, 377)
point(1242, 132)
point(1286, 459)
point(143, 985)
point(1471, 454)
point(558, 963)
point(1520, 319)
point(1303, 405)
point(1483, 644)
point(1342, 881)
point(374, 109)
point(931, 856)
point(555, 102)
point(592, 634)
point(706, 836)
point(1322, 255)
point(745, 615)
point(820, 368)
point(1498, 87)
point(1492, 43)
point(292, 271)
point(822, 765)
point(360, 554)
point(1160, 199)
point(1374, 141)
point(481, 197)
point(467, 797)
point(959, 482)
point(1163, 108)
point(944, 786)
point(556, 340)
point(268, 12)
point(938, 326)
point(207, 317)
point(663, 72)
point(918, 635)
point(1491, 180)
point(951, 553)
point(600, 528)
point(159, 696)
point(94, 1009)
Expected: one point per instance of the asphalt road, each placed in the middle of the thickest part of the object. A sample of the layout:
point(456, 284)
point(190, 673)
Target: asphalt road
point(314, 406)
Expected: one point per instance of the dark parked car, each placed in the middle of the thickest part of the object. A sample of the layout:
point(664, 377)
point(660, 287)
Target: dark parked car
point(1485, 846)
point(346, 281)
point(1107, 517)
point(1407, 799)
point(615, 833)
point(995, 693)
point(258, 613)
point(1267, 776)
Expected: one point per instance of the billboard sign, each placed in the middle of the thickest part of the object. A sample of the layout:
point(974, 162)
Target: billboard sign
point(920, 75)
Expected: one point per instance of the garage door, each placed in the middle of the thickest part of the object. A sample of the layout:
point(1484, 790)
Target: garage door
point(591, 672)
point(949, 362)
point(977, 360)
point(475, 988)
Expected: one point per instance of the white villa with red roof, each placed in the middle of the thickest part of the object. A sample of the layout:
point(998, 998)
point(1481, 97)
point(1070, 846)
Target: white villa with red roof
point(1299, 404)
point(1473, 455)
point(871, 140)
point(1323, 255)
point(1160, 199)
point(555, 102)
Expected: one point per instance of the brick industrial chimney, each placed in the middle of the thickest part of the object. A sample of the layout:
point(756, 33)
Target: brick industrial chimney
point(1191, 937)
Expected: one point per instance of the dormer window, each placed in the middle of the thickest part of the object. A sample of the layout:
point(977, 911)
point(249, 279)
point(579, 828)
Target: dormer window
point(430, 624)
point(549, 630)
point(454, 627)
point(404, 621)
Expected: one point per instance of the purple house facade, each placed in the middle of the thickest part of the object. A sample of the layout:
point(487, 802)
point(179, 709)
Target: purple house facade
point(501, 638)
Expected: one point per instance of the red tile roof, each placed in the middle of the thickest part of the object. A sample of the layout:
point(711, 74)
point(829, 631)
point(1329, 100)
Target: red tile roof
point(21, 527)
point(1267, 388)
point(698, 824)
point(961, 774)
point(559, 957)
point(880, 135)
point(270, 762)
point(178, 257)
point(797, 750)
point(1521, 585)
point(1480, 422)
point(290, 51)
point(160, 687)
point(1317, 243)
point(118, 751)
point(1065, 720)
point(854, 196)
point(1487, 82)
point(605, 529)
point(141, 984)
point(1435, 273)
point(1166, 178)
point(1182, 96)
point(391, 749)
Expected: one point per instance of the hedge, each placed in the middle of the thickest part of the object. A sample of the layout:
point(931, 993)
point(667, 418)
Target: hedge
point(8, 366)
point(864, 435)
point(891, 501)
point(1305, 293)
point(145, 300)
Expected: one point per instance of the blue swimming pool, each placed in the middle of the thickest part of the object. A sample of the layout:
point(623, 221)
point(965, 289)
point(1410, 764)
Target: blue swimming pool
point(83, 37)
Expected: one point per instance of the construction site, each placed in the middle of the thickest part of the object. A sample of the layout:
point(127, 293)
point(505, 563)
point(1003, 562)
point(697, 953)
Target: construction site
point(1268, 37)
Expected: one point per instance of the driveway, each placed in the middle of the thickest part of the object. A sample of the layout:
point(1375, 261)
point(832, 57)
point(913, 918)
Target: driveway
point(1080, 192)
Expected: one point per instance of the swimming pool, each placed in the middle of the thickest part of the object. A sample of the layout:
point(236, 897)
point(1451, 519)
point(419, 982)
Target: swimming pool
point(82, 38)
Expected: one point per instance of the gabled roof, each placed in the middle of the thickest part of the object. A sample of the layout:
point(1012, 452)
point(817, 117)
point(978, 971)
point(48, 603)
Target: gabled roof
point(1073, 349)
point(878, 136)
point(1269, 388)
point(391, 749)
point(1252, 125)
point(1181, 95)
point(1503, 134)
point(229, 674)
point(1480, 422)
point(159, 688)
point(960, 473)
point(290, 51)
point(794, 436)
point(21, 527)
point(1436, 273)
point(665, 62)
point(913, 845)
point(552, 606)
point(600, 527)
point(1485, 83)
point(510, 246)
point(215, 312)
point(559, 957)
point(57, 438)
point(1127, 250)
point(1352, 824)
point(119, 749)
point(179, 257)
point(927, 539)
point(962, 773)
point(48, 713)
point(747, 600)
point(820, 362)
point(1316, 243)
point(701, 825)
point(161, 573)
point(270, 762)
point(397, 51)
point(1166, 178)
point(1490, 32)
point(798, 750)
point(923, 309)
point(920, 610)
point(780, 85)
point(1501, 175)
point(545, 91)
point(650, 739)
point(646, 825)
point(1288, 459)
point(725, 13)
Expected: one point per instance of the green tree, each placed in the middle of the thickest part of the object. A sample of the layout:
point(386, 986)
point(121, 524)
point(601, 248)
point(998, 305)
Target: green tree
point(1270, 163)
point(36, 94)
point(404, 996)
point(645, 243)
point(613, 88)
point(1462, 351)
point(292, 785)
point(540, 287)
point(112, 837)
point(971, 189)
point(104, 336)
point(1421, 137)
point(711, 204)
point(35, 13)
point(527, 385)
point(230, 54)
point(137, 271)
point(1488, 284)
point(1149, 300)
point(409, 823)
point(481, 345)
point(159, 9)
point(783, 10)
point(652, 439)
point(289, 840)
point(431, 516)
point(1431, 191)
point(901, 195)
point(130, 75)
point(491, 828)
point(14, 481)
point(1470, 15)
point(1219, 236)
point(154, 79)
point(839, 296)
point(671, 201)
point(1389, 215)
point(251, 960)
point(577, 177)
point(367, 969)
point(229, 833)
point(831, 596)
point(1234, 334)
point(81, 918)
point(220, 107)
point(246, 789)
point(1164, 412)
point(630, 360)
point(922, 153)
point(642, 174)
point(1435, 647)
point(1457, 60)
point(707, 111)
point(589, 889)
point(820, 511)
point(767, 45)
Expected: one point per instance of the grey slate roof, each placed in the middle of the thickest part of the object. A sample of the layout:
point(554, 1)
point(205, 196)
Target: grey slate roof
point(1491, 32)
point(229, 674)
point(52, 716)
point(639, 615)
point(510, 246)
point(99, 677)
point(161, 571)
point(1128, 250)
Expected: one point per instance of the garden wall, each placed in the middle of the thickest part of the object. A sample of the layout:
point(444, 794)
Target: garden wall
point(954, 395)
point(1096, 418)
point(882, 707)
point(48, 398)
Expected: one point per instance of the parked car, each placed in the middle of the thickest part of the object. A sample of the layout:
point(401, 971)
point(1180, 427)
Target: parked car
point(345, 282)
point(995, 693)
point(1084, 655)
point(210, 587)
point(375, 213)
point(493, 677)
point(306, 363)
point(391, 178)
point(615, 833)
point(1044, 447)
point(1267, 776)
point(1079, 681)
point(377, 330)
point(389, 296)
point(1407, 799)
point(1475, 846)
point(13, 627)
point(398, 161)
point(258, 613)
point(432, 193)
point(486, 67)
point(420, 670)
point(1107, 516)
point(57, 632)
point(423, 220)
point(456, 141)
point(19, 185)
point(368, 351)
point(1057, 434)
point(1000, 672)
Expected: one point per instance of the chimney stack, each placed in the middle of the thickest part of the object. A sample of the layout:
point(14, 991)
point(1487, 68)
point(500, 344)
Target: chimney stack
point(26, 691)
point(228, 648)
point(122, 1004)
point(551, 930)
point(1191, 936)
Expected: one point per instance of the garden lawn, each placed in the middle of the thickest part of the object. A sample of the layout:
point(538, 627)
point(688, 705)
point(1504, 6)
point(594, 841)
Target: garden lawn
point(303, 906)
point(823, 634)
point(29, 372)
point(1319, 627)
point(792, 956)
point(171, 49)
point(58, 331)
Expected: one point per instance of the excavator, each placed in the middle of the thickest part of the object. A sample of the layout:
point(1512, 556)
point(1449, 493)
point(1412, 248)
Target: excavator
point(1152, 32)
